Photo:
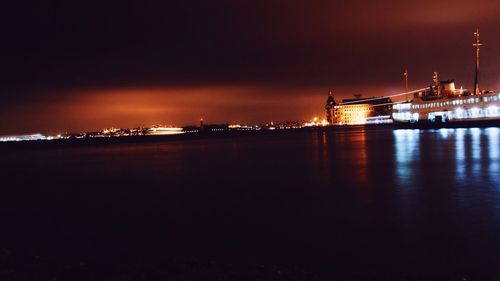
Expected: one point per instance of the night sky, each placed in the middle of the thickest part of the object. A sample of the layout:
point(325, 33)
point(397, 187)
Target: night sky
point(84, 65)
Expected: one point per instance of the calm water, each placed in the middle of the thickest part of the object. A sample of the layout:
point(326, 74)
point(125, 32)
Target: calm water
point(348, 203)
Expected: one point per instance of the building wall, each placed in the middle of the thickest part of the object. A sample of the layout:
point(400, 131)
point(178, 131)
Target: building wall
point(352, 114)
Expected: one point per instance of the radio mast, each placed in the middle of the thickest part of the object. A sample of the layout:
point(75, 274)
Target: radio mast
point(407, 89)
point(477, 45)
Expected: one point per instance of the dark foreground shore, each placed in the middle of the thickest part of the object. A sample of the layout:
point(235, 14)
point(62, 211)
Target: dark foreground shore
point(16, 266)
point(23, 267)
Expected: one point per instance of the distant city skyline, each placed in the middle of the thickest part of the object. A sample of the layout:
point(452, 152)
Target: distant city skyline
point(86, 65)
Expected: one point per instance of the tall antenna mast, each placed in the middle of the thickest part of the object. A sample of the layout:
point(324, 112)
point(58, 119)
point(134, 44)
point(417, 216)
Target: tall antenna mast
point(478, 44)
point(406, 82)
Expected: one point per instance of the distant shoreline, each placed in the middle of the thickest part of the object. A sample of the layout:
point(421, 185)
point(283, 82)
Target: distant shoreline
point(88, 141)
point(202, 135)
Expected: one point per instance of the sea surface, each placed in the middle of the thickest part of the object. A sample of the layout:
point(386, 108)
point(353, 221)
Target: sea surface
point(348, 204)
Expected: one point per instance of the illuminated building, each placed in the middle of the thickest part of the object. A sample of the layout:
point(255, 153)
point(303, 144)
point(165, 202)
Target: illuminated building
point(352, 114)
point(361, 111)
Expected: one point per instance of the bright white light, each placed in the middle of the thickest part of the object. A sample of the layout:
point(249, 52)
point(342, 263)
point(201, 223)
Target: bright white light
point(459, 112)
point(492, 111)
point(402, 106)
point(475, 112)
point(475, 132)
point(445, 132)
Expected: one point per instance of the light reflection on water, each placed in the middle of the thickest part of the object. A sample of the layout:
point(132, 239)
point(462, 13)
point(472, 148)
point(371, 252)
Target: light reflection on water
point(361, 158)
point(466, 158)
point(460, 154)
point(493, 149)
point(475, 148)
point(475, 151)
point(493, 168)
point(407, 152)
point(493, 135)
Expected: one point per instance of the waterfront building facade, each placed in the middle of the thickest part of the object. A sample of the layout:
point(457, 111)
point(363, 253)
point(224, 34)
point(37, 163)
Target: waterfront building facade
point(361, 111)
